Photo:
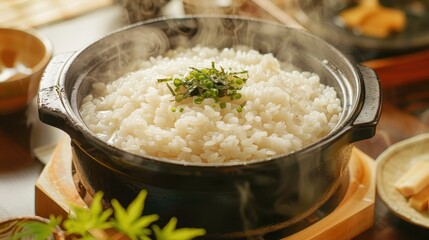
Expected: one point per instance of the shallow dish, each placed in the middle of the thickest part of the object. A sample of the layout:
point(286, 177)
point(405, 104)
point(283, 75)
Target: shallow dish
point(392, 164)
point(321, 18)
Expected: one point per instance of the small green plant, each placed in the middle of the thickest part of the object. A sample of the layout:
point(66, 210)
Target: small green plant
point(94, 222)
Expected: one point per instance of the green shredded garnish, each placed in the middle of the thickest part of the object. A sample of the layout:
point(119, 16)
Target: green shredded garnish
point(205, 83)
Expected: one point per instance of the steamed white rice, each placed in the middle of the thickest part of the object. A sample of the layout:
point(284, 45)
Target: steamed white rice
point(284, 111)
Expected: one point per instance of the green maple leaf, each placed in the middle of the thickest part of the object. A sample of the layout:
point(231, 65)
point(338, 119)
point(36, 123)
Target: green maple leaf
point(87, 219)
point(169, 232)
point(130, 221)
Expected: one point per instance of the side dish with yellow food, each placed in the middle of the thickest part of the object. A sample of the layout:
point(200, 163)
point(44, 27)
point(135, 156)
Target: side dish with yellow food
point(371, 19)
point(414, 185)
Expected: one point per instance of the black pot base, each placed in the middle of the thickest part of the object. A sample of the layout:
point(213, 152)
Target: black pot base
point(328, 207)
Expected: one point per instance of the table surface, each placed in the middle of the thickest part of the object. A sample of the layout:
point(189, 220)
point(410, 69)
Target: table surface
point(22, 132)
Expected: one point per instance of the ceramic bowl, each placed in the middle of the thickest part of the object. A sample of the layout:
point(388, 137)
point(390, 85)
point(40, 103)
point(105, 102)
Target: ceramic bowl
point(24, 55)
point(391, 165)
point(322, 18)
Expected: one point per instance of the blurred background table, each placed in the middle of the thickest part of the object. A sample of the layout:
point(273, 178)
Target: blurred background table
point(22, 132)
point(405, 111)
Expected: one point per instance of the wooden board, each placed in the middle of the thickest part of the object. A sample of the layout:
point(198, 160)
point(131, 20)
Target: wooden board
point(55, 188)
point(355, 213)
point(56, 191)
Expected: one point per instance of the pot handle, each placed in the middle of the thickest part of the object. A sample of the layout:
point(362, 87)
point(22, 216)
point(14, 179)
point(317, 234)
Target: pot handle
point(50, 107)
point(369, 115)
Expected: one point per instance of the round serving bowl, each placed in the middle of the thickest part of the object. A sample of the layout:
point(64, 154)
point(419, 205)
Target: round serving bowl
point(230, 200)
point(24, 54)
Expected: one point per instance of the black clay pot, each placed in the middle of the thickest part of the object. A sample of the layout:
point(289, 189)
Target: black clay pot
point(228, 200)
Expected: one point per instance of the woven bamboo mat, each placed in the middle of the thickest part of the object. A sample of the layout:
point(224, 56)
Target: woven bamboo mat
point(34, 13)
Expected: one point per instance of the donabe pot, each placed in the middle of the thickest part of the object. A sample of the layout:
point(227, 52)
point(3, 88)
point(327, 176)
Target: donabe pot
point(228, 200)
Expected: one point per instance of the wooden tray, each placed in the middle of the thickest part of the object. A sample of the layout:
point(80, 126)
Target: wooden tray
point(56, 191)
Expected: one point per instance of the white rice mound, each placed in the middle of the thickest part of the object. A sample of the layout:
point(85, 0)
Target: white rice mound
point(284, 110)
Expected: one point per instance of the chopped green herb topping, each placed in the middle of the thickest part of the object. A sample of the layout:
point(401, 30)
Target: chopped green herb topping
point(207, 83)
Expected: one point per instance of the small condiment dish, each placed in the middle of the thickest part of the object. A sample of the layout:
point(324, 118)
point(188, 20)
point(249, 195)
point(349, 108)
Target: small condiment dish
point(394, 163)
point(24, 54)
